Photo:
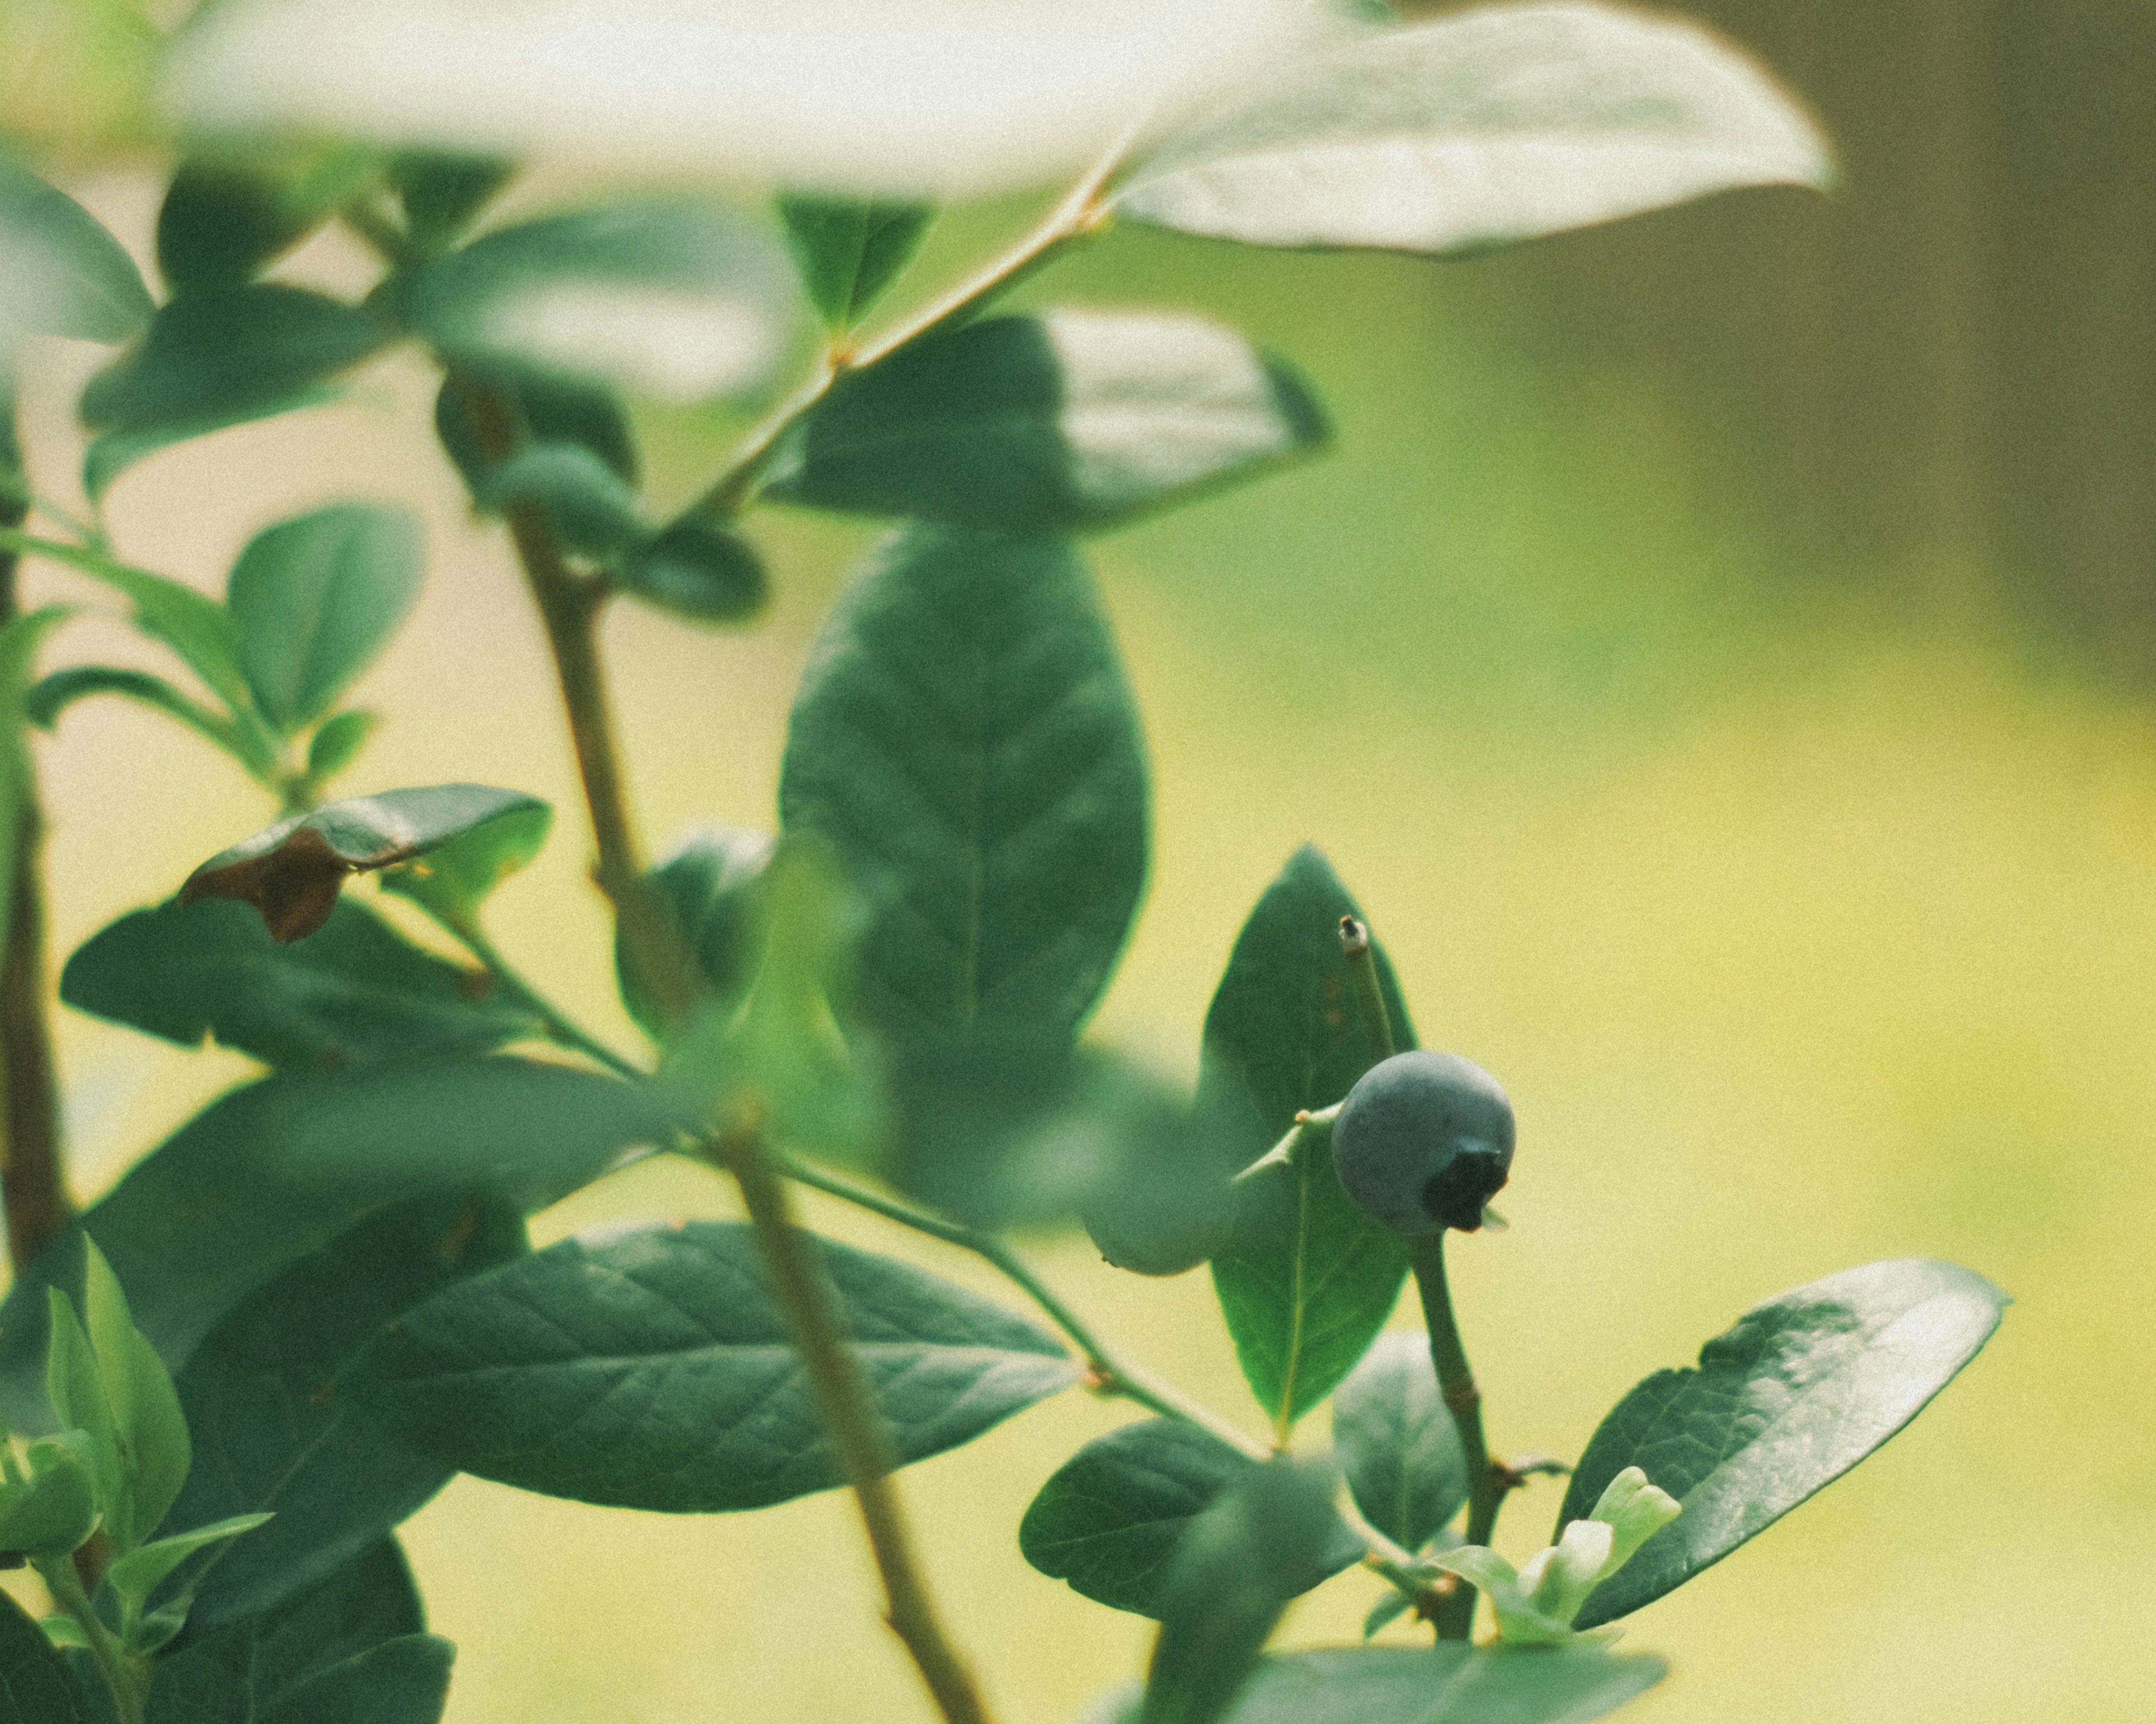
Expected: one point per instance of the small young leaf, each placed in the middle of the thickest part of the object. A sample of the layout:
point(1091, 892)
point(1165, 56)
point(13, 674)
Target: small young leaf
point(291, 871)
point(135, 1575)
point(1486, 127)
point(554, 411)
point(705, 885)
point(35, 1687)
point(314, 598)
point(850, 250)
point(354, 992)
point(1064, 420)
point(452, 881)
point(275, 1425)
point(650, 1368)
point(155, 1453)
point(114, 452)
point(230, 352)
point(51, 696)
point(1233, 1573)
point(1306, 1280)
point(1398, 1444)
point(1804, 1386)
point(1109, 1519)
point(964, 739)
point(337, 743)
point(75, 1390)
point(1445, 1684)
point(696, 568)
point(585, 502)
point(678, 298)
point(444, 191)
point(66, 275)
point(52, 1511)
point(277, 1169)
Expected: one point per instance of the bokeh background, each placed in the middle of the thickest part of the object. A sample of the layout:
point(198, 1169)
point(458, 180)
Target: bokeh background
point(1719, 652)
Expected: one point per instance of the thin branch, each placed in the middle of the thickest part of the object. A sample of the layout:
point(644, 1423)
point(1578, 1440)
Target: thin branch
point(802, 1283)
point(560, 1026)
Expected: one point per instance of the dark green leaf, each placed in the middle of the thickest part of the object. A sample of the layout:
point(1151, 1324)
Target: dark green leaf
point(675, 297)
point(64, 275)
point(35, 1687)
point(1494, 126)
point(337, 743)
point(133, 1577)
point(553, 410)
point(53, 695)
point(54, 1509)
point(402, 1681)
point(314, 598)
point(351, 994)
point(704, 885)
point(698, 568)
point(452, 881)
point(224, 222)
point(113, 452)
point(964, 738)
point(291, 871)
point(276, 1429)
point(442, 192)
point(1308, 1278)
point(1234, 1571)
point(584, 499)
point(155, 1452)
point(651, 1368)
point(227, 353)
point(1109, 1518)
point(277, 1169)
point(1063, 420)
point(1805, 1385)
point(848, 250)
point(1397, 1442)
point(1445, 1684)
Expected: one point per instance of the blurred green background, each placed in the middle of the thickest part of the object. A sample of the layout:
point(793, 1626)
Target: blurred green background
point(1719, 654)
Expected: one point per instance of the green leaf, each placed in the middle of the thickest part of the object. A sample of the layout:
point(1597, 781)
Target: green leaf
point(1804, 1386)
point(696, 568)
point(402, 1681)
point(850, 250)
point(705, 886)
point(453, 878)
point(354, 992)
point(649, 1368)
point(1490, 126)
point(554, 411)
point(278, 1428)
point(1306, 1280)
point(1445, 1684)
point(254, 1666)
point(1109, 1519)
point(277, 1169)
point(74, 1391)
point(135, 1575)
point(337, 743)
point(442, 192)
point(225, 219)
point(52, 1511)
point(314, 598)
point(113, 452)
point(1233, 1573)
point(1397, 1442)
point(65, 275)
point(291, 871)
point(965, 740)
point(155, 1453)
point(51, 696)
point(35, 1687)
point(1062, 420)
point(584, 499)
point(678, 298)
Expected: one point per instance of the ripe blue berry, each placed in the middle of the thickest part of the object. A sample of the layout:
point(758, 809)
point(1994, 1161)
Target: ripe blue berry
point(1424, 1140)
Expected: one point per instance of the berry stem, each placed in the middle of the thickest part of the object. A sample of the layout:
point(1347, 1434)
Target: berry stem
point(1455, 1386)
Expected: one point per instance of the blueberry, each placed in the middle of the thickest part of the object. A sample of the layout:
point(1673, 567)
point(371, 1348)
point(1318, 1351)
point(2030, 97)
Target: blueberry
point(1424, 1140)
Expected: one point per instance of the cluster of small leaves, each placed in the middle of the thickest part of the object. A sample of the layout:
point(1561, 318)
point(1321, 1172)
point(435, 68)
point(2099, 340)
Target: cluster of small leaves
point(893, 986)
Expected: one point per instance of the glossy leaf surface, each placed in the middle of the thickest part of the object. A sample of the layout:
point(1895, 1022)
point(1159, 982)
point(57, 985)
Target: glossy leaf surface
point(65, 275)
point(677, 298)
point(277, 1428)
point(1489, 126)
point(1306, 1280)
point(35, 1687)
point(850, 250)
point(1397, 1443)
point(649, 1368)
point(353, 992)
point(1062, 421)
point(292, 872)
point(277, 1169)
point(1804, 1386)
point(230, 353)
point(314, 599)
point(964, 739)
